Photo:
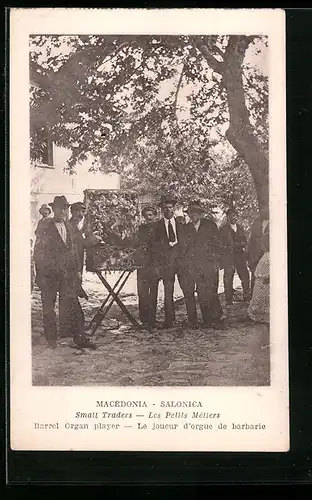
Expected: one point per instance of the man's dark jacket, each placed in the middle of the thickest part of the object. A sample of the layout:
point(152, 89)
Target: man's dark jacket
point(200, 247)
point(143, 238)
point(164, 257)
point(233, 244)
point(54, 258)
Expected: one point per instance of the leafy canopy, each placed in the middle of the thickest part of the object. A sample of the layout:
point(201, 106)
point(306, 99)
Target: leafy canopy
point(148, 107)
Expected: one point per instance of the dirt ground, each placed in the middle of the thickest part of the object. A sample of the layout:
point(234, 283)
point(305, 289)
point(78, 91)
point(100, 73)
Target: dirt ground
point(236, 356)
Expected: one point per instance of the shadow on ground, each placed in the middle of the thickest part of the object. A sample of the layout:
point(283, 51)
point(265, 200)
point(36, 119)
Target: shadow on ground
point(236, 356)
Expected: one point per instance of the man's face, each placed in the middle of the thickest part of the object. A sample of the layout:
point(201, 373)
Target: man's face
point(232, 218)
point(45, 212)
point(168, 210)
point(149, 216)
point(195, 217)
point(78, 214)
point(60, 213)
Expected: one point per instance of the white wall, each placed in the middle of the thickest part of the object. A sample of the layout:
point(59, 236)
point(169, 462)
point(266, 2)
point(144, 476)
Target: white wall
point(46, 183)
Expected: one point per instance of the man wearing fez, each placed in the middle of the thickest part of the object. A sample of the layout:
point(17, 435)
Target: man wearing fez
point(59, 272)
point(199, 268)
point(165, 247)
point(234, 257)
point(147, 276)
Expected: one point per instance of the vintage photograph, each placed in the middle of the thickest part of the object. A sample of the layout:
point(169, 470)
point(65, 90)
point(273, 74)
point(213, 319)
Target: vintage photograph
point(150, 222)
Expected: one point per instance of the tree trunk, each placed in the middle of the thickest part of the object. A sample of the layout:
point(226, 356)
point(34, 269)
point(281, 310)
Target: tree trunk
point(240, 133)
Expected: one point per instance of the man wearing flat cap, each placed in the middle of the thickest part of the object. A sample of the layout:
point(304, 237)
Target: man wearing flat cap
point(58, 272)
point(147, 276)
point(199, 263)
point(166, 243)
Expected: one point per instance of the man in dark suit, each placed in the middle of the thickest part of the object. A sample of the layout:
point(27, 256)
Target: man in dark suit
point(199, 268)
point(58, 269)
point(165, 247)
point(147, 276)
point(234, 242)
point(259, 227)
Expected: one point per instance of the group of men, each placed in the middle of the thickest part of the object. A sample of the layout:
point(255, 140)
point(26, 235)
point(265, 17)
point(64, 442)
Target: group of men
point(170, 247)
point(194, 252)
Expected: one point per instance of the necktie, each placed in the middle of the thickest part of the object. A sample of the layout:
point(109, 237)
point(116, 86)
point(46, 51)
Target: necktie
point(171, 232)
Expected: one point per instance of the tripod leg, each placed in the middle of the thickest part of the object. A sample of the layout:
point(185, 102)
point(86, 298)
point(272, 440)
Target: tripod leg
point(117, 299)
point(99, 315)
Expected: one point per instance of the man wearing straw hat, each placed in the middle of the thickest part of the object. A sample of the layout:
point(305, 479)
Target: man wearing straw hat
point(58, 272)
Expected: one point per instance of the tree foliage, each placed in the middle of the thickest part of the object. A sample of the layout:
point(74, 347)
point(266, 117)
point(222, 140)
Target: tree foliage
point(154, 108)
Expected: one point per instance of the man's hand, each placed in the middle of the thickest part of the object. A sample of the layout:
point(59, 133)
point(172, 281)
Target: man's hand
point(94, 239)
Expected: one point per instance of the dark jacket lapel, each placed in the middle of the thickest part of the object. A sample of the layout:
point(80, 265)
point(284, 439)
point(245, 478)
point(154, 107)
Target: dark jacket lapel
point(59, 237)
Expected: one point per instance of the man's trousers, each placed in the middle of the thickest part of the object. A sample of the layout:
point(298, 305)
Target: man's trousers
point(205, 281)
point(71, 317)
point(243, 274)
point(147, 284)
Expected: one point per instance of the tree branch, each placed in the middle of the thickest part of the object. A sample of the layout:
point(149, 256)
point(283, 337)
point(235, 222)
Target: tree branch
point(75, 60)
point(216, 65)
point(177, 91)
point(115, 52)
point(217, 50)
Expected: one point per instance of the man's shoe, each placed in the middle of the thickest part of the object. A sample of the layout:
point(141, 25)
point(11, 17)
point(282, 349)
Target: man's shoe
point(207, 326)
point(167, 326)
point(84, 343)
point(190, 324)
point(52, 344)
point(218, 325)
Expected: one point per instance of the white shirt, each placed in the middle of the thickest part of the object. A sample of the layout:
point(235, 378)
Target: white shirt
point(60, 226)
point(196, 225)
point(234, 227)
point(173, 223)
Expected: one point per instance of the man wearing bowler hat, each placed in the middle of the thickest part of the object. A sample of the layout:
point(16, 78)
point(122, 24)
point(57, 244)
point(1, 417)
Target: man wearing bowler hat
point(165, 247)
point(59, 272)
point(199, 268)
